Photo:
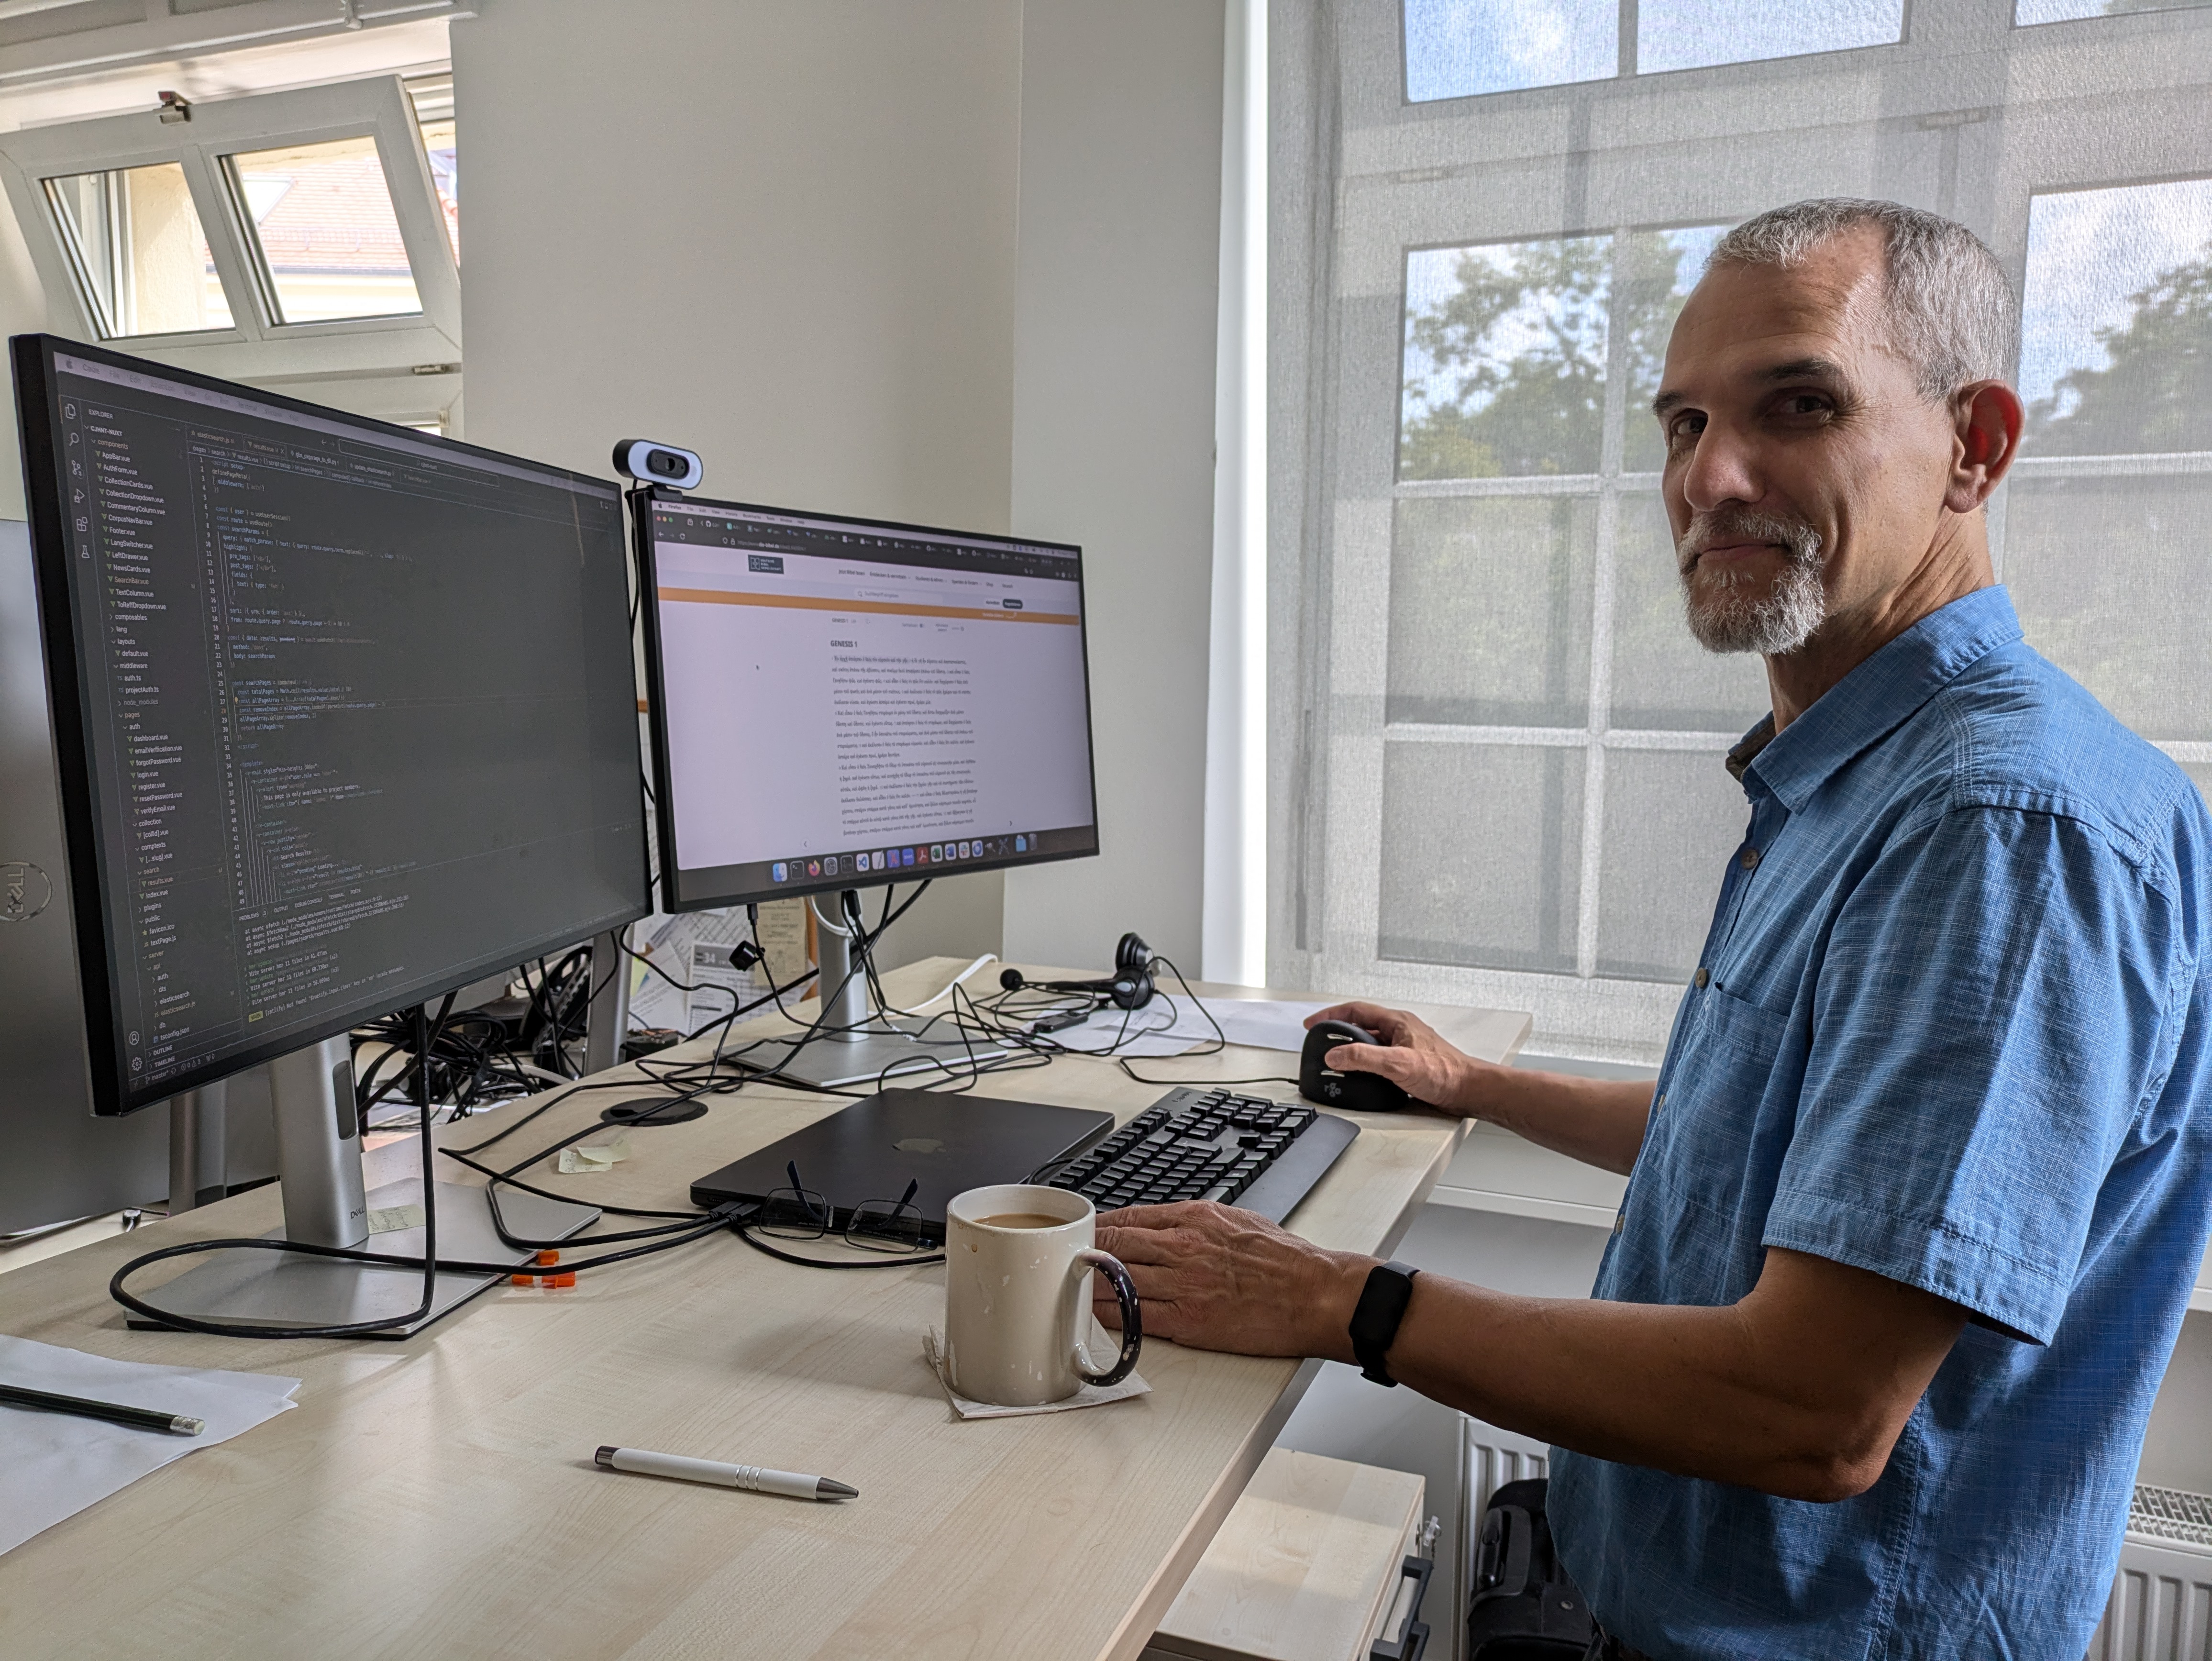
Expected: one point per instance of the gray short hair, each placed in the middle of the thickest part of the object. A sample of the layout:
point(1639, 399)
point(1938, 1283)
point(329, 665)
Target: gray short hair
point(1950, 307)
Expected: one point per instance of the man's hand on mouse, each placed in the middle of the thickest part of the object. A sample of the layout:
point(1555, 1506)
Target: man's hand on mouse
point(1213, 1277)
point(1411, 1055)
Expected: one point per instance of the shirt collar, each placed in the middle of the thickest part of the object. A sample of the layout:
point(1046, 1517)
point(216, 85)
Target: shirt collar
point(1877, 697)
point(1748, 746)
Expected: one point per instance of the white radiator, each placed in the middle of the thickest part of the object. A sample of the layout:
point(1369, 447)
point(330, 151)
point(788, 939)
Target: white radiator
point(2162, 1607)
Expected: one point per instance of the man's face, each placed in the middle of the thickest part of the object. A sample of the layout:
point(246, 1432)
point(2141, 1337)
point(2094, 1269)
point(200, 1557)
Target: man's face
point(1805, 475)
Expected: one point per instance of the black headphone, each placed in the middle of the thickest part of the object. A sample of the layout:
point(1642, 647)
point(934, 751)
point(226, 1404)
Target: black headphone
point(1130, 987)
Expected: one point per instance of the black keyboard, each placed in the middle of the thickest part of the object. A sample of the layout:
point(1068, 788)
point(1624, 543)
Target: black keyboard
point(1245, 1151)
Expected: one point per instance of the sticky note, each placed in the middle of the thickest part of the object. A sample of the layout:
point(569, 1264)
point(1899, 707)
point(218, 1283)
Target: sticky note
point(595, 1156)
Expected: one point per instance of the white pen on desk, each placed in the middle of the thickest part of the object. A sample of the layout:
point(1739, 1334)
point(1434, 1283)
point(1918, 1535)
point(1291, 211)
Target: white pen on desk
point(758, 1480)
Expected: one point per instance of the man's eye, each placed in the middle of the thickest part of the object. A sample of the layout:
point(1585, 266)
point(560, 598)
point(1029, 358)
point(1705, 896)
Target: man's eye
point(1683, 430)
point(1804, 403)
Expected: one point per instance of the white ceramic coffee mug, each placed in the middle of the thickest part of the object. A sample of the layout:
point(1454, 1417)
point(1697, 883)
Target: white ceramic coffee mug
point(1018, 1265)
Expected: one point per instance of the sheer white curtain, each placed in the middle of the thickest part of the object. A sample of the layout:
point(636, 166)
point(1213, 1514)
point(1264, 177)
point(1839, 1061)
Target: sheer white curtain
point(1494, 752)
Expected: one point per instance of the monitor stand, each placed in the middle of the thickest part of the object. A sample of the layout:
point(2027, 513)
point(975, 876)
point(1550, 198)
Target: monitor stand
point(319, 1169)
point(857, 1045)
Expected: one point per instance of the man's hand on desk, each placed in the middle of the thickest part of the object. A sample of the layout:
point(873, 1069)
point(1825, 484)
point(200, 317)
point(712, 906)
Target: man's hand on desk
point(1213, 1277)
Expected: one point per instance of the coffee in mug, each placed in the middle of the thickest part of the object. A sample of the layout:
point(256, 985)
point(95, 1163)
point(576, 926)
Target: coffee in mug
point(1017, 1265)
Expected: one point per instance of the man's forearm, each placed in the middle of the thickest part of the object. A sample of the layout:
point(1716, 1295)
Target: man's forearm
point(1799, 1390)
point(1600, 1122)
point(1642, 1384)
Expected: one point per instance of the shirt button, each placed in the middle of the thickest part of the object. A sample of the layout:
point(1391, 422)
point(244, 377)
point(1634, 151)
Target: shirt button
point(1659, 1101)
point(1619, 1222)
point(1750, 859)
point(1703, 977)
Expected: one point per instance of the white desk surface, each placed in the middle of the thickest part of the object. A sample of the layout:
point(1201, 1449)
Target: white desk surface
point(436, 1498)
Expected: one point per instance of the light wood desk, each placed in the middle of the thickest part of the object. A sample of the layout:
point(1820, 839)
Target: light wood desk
point(436, 1498)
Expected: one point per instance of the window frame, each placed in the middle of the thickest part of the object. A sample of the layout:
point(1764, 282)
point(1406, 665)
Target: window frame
point(1628, 49)
point(256, 347)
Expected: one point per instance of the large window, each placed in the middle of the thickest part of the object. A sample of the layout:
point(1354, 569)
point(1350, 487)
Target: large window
point(1497, 751)
point(309, 238)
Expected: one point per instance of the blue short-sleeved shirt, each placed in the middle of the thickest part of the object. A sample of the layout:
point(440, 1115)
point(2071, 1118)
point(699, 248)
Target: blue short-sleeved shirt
point(1949, 1025)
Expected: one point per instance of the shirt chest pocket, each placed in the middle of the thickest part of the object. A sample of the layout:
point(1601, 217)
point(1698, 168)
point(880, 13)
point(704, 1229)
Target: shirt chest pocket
point(1707, 1129)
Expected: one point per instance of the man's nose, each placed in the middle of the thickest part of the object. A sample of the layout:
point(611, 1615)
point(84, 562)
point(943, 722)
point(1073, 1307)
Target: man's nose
point(1722, 468)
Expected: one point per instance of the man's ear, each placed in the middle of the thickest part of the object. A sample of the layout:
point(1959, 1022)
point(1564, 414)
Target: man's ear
point(1986, 421)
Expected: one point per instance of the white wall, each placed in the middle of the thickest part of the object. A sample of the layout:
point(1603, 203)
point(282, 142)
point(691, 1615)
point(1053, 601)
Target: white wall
point(23, 311)
point(1113, 437)
point(955, 264)
point(780, 234)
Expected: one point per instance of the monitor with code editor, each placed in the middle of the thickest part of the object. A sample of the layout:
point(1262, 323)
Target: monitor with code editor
point(839, 702)
point(344, 713)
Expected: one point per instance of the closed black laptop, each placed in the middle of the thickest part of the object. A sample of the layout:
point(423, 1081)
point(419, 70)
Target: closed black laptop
point(947, 1143)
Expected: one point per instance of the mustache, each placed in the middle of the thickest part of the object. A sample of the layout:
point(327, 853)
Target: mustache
point(1799, 540)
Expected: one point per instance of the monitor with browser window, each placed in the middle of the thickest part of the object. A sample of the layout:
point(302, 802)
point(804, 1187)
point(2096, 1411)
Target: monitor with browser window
point(838, 702)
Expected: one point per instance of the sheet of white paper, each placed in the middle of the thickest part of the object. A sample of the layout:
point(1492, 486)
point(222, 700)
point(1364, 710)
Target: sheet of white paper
point(1262, 1024)
point(1151, 1031)
point(57, 1464)
point(1171, 1026)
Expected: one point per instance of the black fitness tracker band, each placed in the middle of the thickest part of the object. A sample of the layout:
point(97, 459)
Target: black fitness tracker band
point(1375, 1318)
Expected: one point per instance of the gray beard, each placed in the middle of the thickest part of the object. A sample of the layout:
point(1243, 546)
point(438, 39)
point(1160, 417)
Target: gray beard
point(1726, 618)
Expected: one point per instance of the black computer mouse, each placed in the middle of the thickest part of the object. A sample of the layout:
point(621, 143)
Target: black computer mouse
point(1360, 1092)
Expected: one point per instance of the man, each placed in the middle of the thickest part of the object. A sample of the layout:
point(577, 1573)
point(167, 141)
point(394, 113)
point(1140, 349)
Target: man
point(1916, 1201)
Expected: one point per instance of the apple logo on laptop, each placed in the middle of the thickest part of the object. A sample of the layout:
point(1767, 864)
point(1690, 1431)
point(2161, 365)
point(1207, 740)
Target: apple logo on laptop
point(919, 1144)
